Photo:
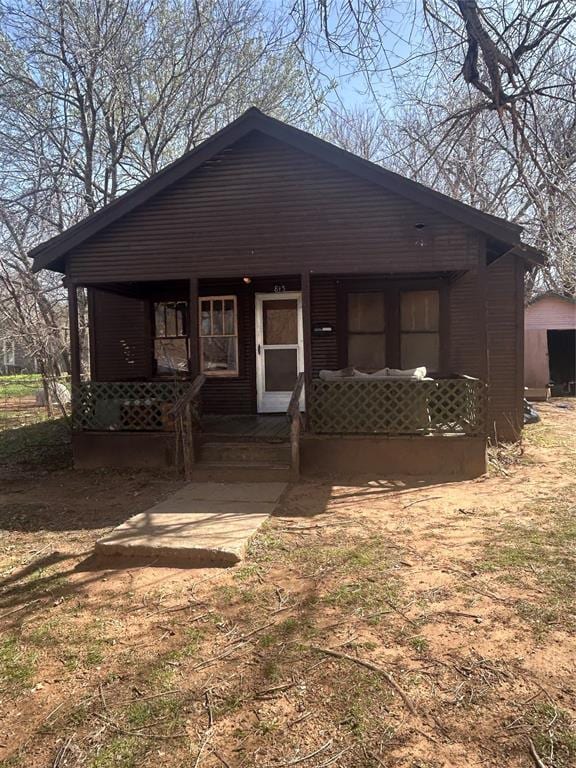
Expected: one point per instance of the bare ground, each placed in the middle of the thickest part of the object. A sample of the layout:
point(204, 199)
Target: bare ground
point(374, 623)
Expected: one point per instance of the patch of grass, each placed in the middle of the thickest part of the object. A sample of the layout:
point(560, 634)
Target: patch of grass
point(271, 669)
point(419, 643)
point(167, 711)
point(193, 638)
point(230, 593)
point(20, 384)
point(160, 676)
point(248, 572)
point(17, 665)
point(47, 442)
point(93, 655)
point(266, 727)
point(553, 733)
point(358, 701)
point(228, 704)
point(44, 634)
point(120, 752)
point(265, 546)
point(543, 435)
point(542, 616)
point(355, 557)
point(367, 595)
point(541, 549)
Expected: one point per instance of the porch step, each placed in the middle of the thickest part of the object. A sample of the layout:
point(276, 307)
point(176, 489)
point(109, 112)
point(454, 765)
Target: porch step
point(240, 472)
point(245, 452)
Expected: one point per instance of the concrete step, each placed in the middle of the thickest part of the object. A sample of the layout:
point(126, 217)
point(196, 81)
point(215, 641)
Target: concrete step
point(235, 452)
point(240, 472)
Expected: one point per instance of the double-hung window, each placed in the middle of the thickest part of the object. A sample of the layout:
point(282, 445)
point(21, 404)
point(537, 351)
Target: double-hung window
point(171, 337)
point(218, 336)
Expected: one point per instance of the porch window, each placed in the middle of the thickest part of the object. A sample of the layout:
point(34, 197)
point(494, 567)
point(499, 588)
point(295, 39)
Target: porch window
point(420, 329)
point(367, 330)
point(219, 336)
point(171, 337)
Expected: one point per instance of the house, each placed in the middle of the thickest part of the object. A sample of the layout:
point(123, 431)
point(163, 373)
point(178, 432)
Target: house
point(239, 275)
point(13, 356)
point(550, 346)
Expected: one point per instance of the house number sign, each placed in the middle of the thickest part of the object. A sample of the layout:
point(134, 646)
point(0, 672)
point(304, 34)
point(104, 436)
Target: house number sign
point(279, 288)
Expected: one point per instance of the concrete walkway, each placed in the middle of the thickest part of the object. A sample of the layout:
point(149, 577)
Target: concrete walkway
point(202, 525)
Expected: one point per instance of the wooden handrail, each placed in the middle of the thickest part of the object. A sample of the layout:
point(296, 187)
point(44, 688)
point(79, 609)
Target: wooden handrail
point(186, 423)
point(295, 417)
point(189, 395)
point(294, 404)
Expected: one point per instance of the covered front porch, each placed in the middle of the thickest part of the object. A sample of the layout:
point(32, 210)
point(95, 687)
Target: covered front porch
point(183, 365)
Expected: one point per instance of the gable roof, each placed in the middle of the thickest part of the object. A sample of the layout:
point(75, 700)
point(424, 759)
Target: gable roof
point(50, 254)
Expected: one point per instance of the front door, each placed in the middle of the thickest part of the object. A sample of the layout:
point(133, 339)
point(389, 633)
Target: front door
point(279, 350)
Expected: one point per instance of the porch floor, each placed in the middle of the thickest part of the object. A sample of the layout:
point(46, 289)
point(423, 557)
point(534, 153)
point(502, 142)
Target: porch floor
point(272, 427)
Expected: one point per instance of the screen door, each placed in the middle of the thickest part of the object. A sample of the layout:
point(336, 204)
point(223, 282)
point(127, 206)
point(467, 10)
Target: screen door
point(279, 351)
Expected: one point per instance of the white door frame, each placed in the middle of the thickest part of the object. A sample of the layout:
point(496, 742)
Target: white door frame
point(274, 402)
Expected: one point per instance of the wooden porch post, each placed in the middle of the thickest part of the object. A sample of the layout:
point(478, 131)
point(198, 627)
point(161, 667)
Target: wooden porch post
point(75, 362)
point(307, 329)
point(193, 339)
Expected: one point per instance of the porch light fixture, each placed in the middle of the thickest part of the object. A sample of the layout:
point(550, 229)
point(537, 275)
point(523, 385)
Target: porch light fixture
point(247, 280)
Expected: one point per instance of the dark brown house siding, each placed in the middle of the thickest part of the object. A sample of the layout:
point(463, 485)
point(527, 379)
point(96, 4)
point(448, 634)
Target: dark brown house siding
point(505, 307)
point(121, 337)
point(324, 310)
point(263, 204)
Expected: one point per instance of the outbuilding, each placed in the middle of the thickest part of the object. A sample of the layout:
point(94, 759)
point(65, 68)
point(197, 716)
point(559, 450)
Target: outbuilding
point(550, 346)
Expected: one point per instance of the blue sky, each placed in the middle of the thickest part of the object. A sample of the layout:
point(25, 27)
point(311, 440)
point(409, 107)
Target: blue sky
point(399, 35)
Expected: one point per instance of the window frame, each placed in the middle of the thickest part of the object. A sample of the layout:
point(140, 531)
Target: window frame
point(380, 333)
point(391, 289)
point(171, 337)
point(436, 333)
point(212, 373)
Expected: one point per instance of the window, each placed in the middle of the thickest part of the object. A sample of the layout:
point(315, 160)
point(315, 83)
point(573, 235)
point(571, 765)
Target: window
point(420, 329)
point(171, 337)
point(367, 331)
point(218, 336)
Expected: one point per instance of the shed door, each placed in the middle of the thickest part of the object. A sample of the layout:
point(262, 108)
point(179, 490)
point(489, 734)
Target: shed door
point(279, 349)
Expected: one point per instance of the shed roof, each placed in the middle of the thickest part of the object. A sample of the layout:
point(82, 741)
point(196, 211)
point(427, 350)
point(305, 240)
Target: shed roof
point(552, 295)
point(51, 253)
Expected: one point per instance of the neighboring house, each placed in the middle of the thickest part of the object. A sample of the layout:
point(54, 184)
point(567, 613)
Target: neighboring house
point(13, 357)
point(550, 346)
point(265, 253)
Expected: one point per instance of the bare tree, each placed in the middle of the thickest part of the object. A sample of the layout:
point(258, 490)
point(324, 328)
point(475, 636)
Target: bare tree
point(513, 56)
point(96, 95)
point(480, 167)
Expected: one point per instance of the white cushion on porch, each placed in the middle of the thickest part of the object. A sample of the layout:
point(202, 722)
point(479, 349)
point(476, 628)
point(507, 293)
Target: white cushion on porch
point(399, 373)
point(418, 374)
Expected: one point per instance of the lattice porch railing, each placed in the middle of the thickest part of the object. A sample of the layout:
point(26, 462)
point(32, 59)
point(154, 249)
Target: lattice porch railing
point(397, 407)
point(127, 406)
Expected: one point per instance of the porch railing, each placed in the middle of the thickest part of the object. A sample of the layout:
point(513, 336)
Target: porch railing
point(128, 406)
point(398, 407)
point(186, 411)
point(295, 419)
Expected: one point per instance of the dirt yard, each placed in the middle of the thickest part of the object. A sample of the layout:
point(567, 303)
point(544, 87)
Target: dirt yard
point(414, 624)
